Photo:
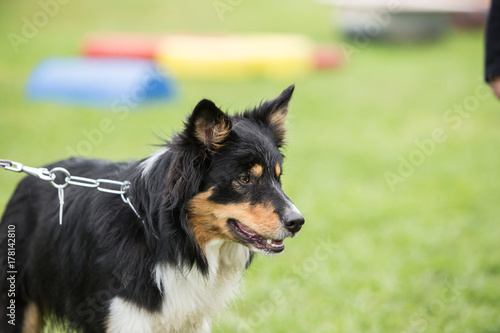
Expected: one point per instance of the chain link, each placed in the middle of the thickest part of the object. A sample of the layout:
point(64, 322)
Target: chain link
point(5, 163)
point(110, 190)
point(83, 182)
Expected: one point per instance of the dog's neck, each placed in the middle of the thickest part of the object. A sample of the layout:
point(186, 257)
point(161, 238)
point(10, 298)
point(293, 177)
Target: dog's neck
point(226, 261)
point(226, 257)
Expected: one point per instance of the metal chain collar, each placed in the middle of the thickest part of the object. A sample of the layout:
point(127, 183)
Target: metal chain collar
point(113, 186)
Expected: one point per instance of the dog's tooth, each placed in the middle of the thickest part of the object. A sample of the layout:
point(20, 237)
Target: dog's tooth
point(269, 241)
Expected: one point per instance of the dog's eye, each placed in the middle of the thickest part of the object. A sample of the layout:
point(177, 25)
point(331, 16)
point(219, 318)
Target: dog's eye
point(244, 179)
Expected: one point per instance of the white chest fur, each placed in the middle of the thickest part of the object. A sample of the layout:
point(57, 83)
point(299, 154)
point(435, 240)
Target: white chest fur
point(190, 299)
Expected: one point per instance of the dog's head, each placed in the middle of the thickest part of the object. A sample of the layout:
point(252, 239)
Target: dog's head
point(239, 196)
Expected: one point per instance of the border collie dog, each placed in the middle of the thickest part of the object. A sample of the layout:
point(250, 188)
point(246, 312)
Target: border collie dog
point(205, 203)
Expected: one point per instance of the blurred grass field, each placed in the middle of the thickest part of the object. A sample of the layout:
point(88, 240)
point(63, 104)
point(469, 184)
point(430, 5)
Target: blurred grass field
point(418, 253)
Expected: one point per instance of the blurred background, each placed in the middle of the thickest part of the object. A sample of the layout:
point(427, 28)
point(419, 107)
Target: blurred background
point(392, 152)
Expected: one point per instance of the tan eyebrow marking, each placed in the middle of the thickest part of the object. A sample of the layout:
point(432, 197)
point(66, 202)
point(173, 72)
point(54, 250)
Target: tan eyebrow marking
point(278, 170)
point(257, 170)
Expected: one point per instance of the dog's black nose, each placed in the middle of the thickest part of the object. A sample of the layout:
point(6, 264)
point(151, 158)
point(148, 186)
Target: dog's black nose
point(293, 221)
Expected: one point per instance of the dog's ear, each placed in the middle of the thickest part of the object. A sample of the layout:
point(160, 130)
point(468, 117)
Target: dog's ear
point(209, 125)
point(274, 112)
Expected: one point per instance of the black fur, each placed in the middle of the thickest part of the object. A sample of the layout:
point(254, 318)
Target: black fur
point(103, 249)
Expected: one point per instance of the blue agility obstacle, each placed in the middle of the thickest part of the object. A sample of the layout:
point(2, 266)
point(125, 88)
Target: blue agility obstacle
point(100, 82)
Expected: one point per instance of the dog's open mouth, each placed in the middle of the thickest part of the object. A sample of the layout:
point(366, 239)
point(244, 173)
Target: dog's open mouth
point(248, 236)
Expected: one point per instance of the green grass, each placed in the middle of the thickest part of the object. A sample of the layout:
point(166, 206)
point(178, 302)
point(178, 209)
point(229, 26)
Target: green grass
point(420, 256)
